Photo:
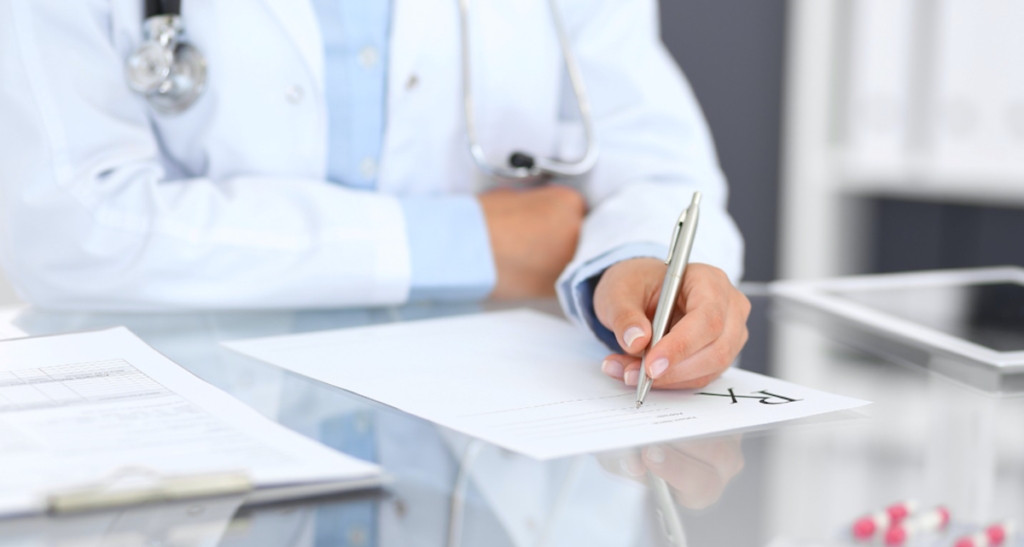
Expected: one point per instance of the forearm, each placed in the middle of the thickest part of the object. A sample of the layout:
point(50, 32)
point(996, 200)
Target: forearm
point(244, 243)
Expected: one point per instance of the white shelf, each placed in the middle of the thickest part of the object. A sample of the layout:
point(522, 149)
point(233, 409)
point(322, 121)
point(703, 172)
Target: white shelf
point(969, 182)
point(914, 100)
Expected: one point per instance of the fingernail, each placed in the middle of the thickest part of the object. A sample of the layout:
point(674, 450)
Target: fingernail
point(631, 334)
point(631, 377)
point(612, 368)
point(655, 454)
point(630, 468)
point(658, 367)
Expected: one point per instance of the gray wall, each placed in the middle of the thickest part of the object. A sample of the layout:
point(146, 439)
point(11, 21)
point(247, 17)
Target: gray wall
point(732, 53)
point(911, 235)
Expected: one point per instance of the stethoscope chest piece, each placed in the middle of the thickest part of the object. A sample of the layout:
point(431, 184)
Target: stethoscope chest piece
point(168, 71)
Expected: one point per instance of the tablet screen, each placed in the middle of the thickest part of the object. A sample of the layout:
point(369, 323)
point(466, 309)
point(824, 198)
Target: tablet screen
point(991, 315)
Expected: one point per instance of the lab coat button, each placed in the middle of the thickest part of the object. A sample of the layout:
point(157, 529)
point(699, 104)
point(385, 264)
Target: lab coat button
point(368, 56)
point(293, 94)
point(368, 167)
point(412, 82)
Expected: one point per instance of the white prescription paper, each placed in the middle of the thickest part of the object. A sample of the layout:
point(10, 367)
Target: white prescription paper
point(77, 407)
point(528, 382)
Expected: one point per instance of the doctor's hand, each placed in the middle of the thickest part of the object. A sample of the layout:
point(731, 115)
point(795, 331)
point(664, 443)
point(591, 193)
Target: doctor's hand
point(533, 237)
point(709, 331)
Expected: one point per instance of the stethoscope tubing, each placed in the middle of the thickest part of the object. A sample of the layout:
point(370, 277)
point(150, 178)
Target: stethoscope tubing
point(173, 97)
point(540, 166)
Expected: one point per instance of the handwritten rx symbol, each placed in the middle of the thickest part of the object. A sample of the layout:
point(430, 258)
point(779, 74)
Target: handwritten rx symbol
point(763, 398)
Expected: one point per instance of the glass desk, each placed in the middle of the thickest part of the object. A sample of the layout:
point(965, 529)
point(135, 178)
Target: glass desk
point(798, 484)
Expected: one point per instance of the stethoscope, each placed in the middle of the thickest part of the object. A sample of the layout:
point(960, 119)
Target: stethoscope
point(168, 71)
point(520, 164)
point(170, 74)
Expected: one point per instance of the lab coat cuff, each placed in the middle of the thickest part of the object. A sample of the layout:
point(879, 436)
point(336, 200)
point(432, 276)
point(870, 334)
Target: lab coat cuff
point(449, 248)
point(578, 288)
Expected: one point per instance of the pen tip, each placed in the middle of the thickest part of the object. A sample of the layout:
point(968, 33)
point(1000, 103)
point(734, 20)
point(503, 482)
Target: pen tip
point(639, 404)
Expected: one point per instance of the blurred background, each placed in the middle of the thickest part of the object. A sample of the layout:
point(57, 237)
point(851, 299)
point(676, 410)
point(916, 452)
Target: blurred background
point(863, 136)
point(860, 135)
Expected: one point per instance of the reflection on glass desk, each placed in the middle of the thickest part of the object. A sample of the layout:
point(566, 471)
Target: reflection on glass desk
point(988, 314)
point(925, 437)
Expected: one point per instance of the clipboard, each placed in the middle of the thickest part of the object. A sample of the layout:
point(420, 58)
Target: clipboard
point(66, 381)
point(133, 486)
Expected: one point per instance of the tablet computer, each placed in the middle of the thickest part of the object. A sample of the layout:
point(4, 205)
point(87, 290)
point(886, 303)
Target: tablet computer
point(968, 324)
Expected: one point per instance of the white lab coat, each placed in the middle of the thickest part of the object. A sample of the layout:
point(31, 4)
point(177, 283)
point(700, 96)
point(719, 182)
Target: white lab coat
point(107, 204)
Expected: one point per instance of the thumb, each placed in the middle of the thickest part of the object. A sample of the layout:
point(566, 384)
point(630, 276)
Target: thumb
point(619, 306)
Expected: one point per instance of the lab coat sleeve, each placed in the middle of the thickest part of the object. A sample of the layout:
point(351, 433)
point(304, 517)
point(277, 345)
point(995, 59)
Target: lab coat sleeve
point(91, 219)
point(656, 149)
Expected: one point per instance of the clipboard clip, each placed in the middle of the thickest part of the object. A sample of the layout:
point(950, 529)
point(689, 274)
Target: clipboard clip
point(137, 485)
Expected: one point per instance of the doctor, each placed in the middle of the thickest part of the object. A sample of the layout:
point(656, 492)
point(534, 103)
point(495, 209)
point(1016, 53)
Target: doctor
point(323, 162)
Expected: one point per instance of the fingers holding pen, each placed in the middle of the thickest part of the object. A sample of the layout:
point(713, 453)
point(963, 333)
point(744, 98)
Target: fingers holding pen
point(711, 333)
point(631, 375)
point(699, 328)
point(698, 347)
point(705, 365)
point(624, 301)
point(619, 367)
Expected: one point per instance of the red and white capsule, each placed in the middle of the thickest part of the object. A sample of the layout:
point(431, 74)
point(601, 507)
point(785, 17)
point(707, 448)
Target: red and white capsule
point(867, 526)
point(992, 536)
point(930, 521)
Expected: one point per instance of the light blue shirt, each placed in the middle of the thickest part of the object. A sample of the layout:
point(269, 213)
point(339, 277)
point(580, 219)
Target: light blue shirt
point(355, 35)
point(450, 250)
point(449, 246)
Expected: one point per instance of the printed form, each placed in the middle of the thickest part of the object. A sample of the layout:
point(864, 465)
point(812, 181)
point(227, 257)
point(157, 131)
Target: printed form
point(75, 408)
point(528, 382)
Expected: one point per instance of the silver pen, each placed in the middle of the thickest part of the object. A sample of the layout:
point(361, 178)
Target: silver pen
point(678, 257)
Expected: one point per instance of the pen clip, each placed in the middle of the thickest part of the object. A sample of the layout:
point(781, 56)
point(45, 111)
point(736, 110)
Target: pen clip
point(675, 235)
